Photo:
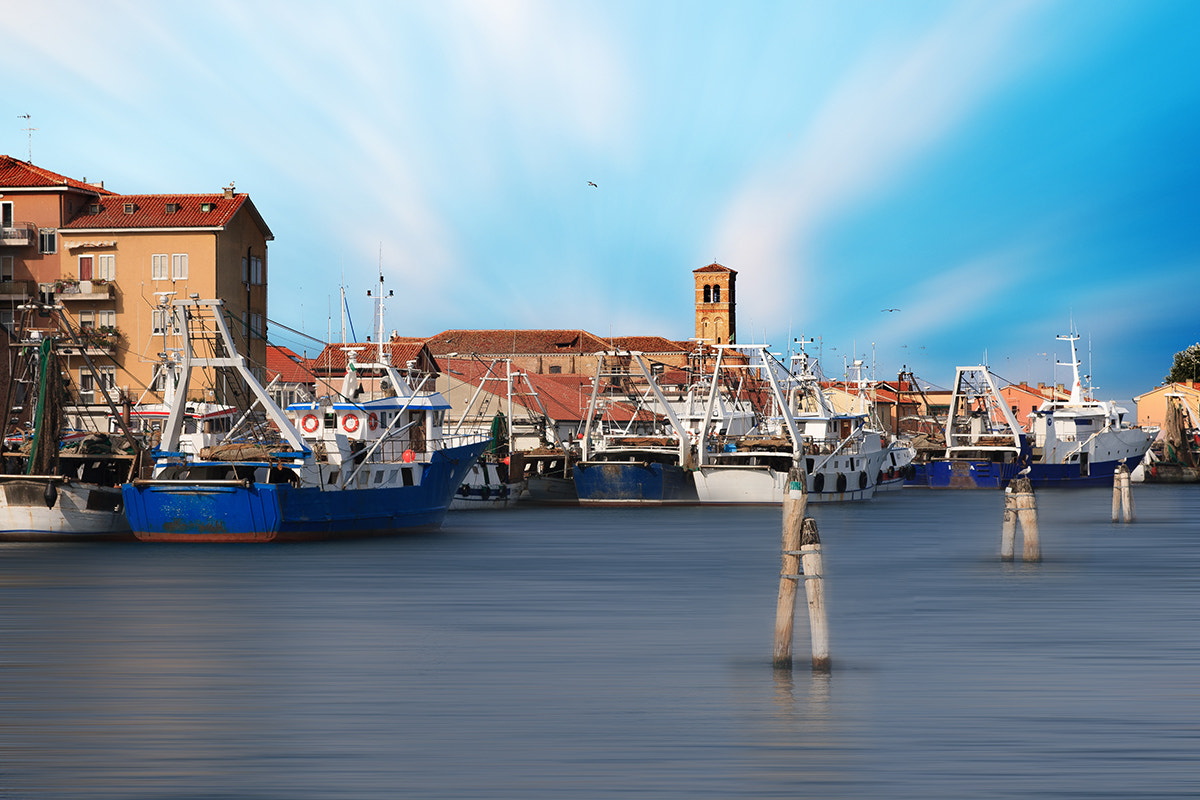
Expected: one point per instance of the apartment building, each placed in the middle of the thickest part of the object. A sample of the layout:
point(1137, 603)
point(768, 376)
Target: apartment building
point(115, 261)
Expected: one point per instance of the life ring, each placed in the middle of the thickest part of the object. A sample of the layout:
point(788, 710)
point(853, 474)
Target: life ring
point(350, 423)
point(841, 482)
point(409, 455)
point(819, 482)
point(862, 480)
point(372, 420)
point(310, 423)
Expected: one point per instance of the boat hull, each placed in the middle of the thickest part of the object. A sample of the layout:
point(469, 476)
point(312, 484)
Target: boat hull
point(267, 512)
point(633, 483)
point(80, 512)
point(551, 491)
point(979, 474)
point(761, 485)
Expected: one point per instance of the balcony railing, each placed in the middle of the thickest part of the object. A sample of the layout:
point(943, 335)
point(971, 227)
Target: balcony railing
point(19, 291)
point(79, 290)
point(19, 234)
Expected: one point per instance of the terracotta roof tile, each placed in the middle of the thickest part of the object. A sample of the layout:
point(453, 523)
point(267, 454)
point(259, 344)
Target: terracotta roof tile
point(15, 173)
point(332, 360)
point(513, 342)
point(290, 367)
point(714, 267)
point(160, 211)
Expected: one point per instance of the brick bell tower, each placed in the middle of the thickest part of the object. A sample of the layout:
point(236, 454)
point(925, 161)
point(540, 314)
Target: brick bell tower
point(716, 322)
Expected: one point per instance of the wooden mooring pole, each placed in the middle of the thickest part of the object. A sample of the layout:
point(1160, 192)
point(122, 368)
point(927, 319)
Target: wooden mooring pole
point(801, 562)
point(1020, 506)
point(795, 501)
point(1122, 494)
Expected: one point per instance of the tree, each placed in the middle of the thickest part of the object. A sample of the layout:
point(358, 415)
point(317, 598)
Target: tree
point(1186, 366)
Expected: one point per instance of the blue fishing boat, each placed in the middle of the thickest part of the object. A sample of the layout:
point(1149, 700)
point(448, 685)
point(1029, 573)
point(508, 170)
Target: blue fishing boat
point(642, 453)
point(373, 463)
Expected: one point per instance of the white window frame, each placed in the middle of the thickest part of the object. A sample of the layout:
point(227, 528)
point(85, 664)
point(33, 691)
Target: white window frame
point(90, 258)
point(105, 267)
point(162, 321)
point(160, 267)
point(87, 320)
point(179, 266)
point(104, 379)
point(106, 317)
point(47, 240)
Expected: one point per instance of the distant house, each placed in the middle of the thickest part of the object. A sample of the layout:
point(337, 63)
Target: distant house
point(290, 377)
point(1152, 406)
point(1024, 399)
point(552, 351)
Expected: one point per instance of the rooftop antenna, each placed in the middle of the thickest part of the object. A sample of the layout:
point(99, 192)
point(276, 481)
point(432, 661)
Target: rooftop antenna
point(29, 129)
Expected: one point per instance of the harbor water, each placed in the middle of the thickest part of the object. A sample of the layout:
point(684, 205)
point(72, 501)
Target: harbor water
point(604, 653)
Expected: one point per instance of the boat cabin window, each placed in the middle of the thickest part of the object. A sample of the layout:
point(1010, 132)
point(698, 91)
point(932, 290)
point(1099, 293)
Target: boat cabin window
point(330, 420)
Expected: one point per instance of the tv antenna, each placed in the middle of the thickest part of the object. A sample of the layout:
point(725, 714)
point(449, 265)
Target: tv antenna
point(29, 129)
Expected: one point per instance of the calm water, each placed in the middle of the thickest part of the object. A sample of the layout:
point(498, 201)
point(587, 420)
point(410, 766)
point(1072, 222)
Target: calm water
point(570, 653)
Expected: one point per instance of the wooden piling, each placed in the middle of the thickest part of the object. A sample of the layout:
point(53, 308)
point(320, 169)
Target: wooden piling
point(814, 589)
point(1122, 493)
point(1026, 507)
point(1008, 534)
point(795, 501)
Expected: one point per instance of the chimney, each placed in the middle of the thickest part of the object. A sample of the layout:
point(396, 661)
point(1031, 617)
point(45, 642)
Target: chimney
point(229, 191)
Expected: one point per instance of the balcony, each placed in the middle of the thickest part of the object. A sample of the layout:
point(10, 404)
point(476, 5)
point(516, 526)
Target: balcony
point(80, 290)
point(20, 234)
point(100, 341)
point(15, 291)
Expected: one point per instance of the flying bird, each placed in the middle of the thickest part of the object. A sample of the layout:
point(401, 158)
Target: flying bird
point(592, 184)
point(888, 309)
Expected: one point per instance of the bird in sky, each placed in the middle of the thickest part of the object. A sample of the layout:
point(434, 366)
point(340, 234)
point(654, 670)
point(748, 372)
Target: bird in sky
point(884, 310)
point(592, 184)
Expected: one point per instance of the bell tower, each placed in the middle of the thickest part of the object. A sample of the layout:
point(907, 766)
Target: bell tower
point(716, 322)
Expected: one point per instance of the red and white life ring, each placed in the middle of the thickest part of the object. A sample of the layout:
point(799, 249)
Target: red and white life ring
point(310, 423)
point(350, 423)
point(410, 456)
point(372, 420)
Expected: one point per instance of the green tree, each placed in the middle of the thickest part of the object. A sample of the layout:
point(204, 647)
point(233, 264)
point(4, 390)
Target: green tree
point(1186, 366)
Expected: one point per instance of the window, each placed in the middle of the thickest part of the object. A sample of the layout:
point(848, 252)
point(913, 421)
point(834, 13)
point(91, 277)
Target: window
point(179, 267)
point(47, 240)
point(158, 267)
point(256, 270)
point(87, 319)
point(6, 320)
point(106, 319)
point(172, 208)
point(6, 268)
point(160, 317)
point(6, 214)
point(105, 378)
point(85, 268)
point(106, 267)
point(556, 369)
point(707, 293)
point(716, 294)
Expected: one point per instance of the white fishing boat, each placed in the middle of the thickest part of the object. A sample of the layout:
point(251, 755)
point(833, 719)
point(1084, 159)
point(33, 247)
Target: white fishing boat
point(841, 456)
point(49, 492)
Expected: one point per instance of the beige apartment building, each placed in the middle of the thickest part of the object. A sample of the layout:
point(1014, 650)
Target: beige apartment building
point(115, 262)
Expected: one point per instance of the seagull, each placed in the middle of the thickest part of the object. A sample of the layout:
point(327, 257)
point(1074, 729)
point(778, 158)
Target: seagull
point(592, 184)
point(885, 310)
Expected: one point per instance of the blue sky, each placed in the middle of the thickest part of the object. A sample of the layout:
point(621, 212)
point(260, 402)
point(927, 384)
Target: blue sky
point(993, 170)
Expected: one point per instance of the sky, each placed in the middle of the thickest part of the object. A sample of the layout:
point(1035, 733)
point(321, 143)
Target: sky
point(995, 171)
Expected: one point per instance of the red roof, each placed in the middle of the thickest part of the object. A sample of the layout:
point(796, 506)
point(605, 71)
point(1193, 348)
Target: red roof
point(332, 359)
point(17, 174)
point(648, 344)
point(513, 342)
point(290, 367)
point(714, 267)
point(131, 211)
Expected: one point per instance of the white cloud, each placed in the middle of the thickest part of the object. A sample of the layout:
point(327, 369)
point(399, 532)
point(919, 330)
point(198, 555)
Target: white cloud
point(891, 109)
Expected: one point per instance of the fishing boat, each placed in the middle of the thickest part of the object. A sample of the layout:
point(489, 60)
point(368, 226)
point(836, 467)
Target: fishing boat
point(57, 485)
point(359, 463)
point(648, 457)
point(985, 445)
point(1081, 441)
point(1175, 458)
point(841, 455)
point(1074, 442)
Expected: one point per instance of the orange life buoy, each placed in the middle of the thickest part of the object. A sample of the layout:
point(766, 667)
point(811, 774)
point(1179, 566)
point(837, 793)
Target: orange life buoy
point(372, 420)
point(310, 423)
point(350, 423)
point(409, 455)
